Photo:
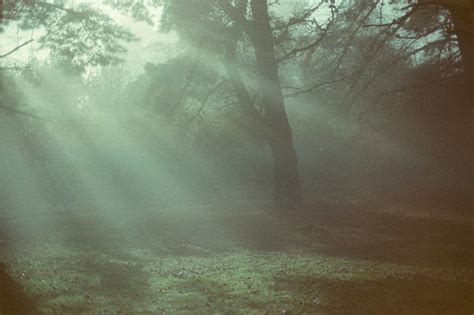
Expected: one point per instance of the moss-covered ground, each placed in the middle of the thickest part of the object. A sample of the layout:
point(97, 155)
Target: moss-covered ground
point(325, 259)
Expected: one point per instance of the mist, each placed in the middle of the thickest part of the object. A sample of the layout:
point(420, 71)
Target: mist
point(169, 157)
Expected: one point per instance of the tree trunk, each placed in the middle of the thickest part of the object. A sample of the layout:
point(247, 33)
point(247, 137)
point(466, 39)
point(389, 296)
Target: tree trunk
point(285, 162)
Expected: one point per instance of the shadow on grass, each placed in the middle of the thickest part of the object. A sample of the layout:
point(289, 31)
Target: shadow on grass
point(333, 229)
point(12, 298)
point(352, 232)
point(420, 295)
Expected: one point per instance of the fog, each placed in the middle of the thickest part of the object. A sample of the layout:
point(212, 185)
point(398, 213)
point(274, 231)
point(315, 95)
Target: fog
point(137, 181)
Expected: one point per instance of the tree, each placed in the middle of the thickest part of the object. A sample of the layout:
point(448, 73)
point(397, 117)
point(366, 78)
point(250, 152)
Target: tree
point(461, 14)
point(440, 24)
point(369, 41)
point(223, 28)
point(76, 35)
point(279, 137)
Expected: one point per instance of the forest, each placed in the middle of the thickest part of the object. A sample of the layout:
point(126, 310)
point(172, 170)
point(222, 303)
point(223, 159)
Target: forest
point(236, 157)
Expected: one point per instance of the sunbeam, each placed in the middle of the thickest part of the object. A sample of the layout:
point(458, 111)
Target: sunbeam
point(236, 157)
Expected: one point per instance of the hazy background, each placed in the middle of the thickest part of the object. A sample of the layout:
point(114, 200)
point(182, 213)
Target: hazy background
point(101, 138)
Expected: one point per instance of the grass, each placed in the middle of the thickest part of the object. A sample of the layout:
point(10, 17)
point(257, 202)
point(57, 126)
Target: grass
point(244, 261)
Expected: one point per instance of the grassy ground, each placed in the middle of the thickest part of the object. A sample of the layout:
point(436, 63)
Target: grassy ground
point(329, 258)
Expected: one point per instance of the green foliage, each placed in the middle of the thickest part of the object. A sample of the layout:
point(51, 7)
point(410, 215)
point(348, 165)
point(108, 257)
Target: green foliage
point(165, 87)
point(136, 9)
point(78, 36)
point(87, 37)
point(198, 22)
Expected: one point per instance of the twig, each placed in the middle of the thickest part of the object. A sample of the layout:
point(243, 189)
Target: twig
point(16, 48)
point(203, 103)
point(317, 86)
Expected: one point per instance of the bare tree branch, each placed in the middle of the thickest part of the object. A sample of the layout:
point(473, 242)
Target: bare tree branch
point(400, 58)
point(402, 19)
point(13, 68)
point(16, 48)
point(299, 19)
point(352, 37)
point(317, 86)
point(295, 51)
point(206, 98)
point(312, 45)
